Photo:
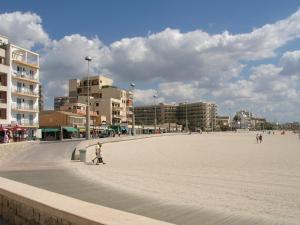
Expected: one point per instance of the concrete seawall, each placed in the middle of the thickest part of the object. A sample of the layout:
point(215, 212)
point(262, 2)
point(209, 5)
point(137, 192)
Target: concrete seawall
point(89, 145)
point(21, 204)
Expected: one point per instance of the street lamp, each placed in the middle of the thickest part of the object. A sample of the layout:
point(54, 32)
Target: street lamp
point(155, 121)
point(132, 85)
point(87, 129)
point(186, 118)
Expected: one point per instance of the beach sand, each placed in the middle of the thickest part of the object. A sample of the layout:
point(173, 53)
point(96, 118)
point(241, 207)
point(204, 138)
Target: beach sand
point(219, 172)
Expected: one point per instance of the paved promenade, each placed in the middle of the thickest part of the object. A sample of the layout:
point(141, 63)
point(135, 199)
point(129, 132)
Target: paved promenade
point(141, 180)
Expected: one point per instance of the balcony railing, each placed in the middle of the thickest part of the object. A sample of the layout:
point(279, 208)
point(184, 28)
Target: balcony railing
point(25, 75)
point(26, 122)
point(26, 91)
point(24, 107)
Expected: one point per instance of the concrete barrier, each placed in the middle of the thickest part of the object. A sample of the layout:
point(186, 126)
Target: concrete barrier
point(21, 204)
point(90, 144)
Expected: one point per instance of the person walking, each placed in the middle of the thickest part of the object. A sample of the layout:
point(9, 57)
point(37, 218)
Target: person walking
point(99, 154)
point(260, 138)
point(257, 138)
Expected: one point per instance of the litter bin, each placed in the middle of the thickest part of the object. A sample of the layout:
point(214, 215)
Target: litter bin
point(82, 155)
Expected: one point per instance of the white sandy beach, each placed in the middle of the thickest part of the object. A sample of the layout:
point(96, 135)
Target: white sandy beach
point(223, 172)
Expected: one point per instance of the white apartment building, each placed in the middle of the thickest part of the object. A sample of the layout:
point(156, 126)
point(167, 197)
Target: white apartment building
point(19, 87)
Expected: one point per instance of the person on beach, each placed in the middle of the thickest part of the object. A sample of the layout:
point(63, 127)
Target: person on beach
point(98, 154)
point(6, 138)
point(260, 138)
point(257, 138)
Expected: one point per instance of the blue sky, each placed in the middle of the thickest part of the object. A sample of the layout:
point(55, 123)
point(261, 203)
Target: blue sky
point(176, 49)
point(113, 20)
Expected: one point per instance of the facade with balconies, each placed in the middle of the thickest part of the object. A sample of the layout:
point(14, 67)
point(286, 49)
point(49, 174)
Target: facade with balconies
point(19, 87)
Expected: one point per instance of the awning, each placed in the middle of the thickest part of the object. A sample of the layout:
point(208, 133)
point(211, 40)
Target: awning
point(50, 130)
point(70, 129)
point(81, 129)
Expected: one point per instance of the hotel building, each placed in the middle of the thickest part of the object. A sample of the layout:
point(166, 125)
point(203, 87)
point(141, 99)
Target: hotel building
point(19, 87)
point(199, 115)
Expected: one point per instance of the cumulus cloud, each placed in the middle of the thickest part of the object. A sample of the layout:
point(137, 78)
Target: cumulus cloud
point(290, 62)
point(178, 66)
point(24, 29)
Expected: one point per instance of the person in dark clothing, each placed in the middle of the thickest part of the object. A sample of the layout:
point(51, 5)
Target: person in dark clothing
point(260, 138)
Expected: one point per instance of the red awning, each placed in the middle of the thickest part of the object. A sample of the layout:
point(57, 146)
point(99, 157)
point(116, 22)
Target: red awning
point(3, 128)
point(17, 128)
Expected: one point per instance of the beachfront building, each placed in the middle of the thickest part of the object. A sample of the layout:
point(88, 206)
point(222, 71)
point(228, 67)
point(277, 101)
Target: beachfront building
point(242, 119)
point(199, 115)
point(41, 98)
point(165, 113)
point(19, 88)
point(223, 123)
point(105, 99)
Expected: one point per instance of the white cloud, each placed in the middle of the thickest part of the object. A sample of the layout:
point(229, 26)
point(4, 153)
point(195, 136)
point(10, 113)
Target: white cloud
point(145, 97)
point(181, 66)
point(24, 29)
point(290, 62)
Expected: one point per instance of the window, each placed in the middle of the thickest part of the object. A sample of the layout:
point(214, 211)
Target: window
point(95, 82)
point(97, 103)
point(97, 112)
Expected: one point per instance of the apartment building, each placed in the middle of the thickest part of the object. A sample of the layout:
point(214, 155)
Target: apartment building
point(223, 123)
point(105, 99)
point(19, 98)
point(200, 115)
point(165, 113)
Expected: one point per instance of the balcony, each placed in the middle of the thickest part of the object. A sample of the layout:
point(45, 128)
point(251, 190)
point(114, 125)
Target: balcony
point(23, 76)
point(4, 68)
point(3, 87)
point(116, 116)
point(25, 92)
point(24, 108)
point(27, 123)
point(117, 108)
point(3, 104)
point(23, 63)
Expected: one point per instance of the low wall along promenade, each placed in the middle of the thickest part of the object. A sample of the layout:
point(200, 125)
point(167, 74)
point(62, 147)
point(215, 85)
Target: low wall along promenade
point(21, 204)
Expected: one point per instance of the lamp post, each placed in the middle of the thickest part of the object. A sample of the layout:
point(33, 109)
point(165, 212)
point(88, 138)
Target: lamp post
point(132, 85)
point(87, 129)
point(155, 121)
point(186, 118)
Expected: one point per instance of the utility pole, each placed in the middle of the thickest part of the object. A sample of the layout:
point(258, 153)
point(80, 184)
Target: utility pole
point(87, 130)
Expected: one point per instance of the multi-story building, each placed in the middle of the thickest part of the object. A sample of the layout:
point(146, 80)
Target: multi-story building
point(106, 100)
point(223, 122)
point(19, 87)
point(165, 113)
point(200, 115)
point(242, 120)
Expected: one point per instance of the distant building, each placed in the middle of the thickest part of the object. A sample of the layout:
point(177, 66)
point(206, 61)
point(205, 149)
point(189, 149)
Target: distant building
point(199, 115)
point(62, 100)
point(223, 122)
point(246, 120)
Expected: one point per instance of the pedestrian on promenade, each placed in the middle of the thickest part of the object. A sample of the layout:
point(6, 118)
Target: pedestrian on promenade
point(260, 138)
point(257, 138)
point(99, 154)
